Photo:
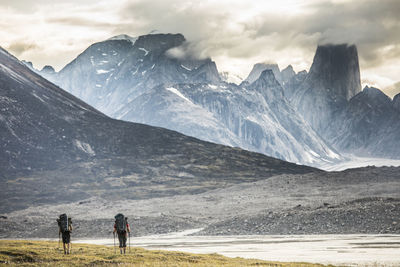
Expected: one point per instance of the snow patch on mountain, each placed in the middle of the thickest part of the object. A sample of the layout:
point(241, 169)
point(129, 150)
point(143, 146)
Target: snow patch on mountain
point(146, 52)
point(175, 91)
point(186, 68)
point(100, 71)
point(85, 147)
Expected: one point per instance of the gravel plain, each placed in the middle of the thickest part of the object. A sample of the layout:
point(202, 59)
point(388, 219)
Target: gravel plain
point(364, 200)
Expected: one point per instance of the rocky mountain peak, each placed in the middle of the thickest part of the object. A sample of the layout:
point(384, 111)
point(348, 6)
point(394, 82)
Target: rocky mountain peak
point(337, 69)
point(48, 69)
point(29, 64)
point(374, 97)
point(207, 72)
point(259, 68)
point(287, 74)
point(159, 42)
point(267, 77)
point(268, 85)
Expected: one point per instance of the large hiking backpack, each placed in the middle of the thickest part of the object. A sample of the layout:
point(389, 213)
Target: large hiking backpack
point(120, 223)
point(63, 222)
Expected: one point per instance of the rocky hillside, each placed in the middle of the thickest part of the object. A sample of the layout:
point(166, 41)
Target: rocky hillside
point(367, 216)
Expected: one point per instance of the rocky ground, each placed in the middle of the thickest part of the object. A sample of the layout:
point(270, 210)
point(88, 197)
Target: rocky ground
point(364, 200)
point(369, 216)
point(97, 228)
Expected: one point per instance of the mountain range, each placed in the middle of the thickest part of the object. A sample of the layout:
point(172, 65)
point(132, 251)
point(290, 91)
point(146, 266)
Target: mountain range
point(307, 118)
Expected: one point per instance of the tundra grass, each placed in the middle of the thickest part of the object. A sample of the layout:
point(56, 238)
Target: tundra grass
point(45, 253)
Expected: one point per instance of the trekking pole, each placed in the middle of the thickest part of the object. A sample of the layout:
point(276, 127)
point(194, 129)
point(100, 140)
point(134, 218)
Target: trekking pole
point(115, 250)
point(129, 242)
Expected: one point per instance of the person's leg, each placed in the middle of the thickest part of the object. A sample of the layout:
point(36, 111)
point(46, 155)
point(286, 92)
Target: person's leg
point(120, 239)
point(68, 241)
point(124, 245)
point(64, 239)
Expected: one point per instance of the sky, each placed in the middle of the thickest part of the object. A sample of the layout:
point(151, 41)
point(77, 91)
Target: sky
point(234, 33)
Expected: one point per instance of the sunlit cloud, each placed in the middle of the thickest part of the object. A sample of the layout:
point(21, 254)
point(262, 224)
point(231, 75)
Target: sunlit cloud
point(235, 33)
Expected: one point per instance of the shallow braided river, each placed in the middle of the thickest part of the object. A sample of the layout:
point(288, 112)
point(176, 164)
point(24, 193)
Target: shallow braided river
point(350, 250)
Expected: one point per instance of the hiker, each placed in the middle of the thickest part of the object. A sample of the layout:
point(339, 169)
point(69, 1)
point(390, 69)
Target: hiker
point(65, 229)
point(122, 228)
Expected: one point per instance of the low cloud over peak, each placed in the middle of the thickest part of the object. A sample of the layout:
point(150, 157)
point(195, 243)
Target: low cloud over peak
point(236, 34)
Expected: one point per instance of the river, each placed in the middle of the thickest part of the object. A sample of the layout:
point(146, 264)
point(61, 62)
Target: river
point(350, 250)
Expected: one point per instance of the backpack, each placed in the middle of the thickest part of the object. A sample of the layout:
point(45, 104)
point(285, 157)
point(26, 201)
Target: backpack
point(120, 223)
point(63, 222)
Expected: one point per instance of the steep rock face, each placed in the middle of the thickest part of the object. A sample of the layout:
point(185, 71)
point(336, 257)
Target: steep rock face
point(259, 68)
point(268, 86)
point(293, 84)
point(165, 106)
point(369, 126)
point(287, 74)
point(336, 69)
point(261, 118)
point(56, 148)
point(333, 79)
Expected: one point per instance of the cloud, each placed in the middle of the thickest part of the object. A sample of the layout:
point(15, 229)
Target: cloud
point(235, 33)
point(392, 90)
point(263, 30)
point(80, 22)
point(21, 47)
point(188, 50)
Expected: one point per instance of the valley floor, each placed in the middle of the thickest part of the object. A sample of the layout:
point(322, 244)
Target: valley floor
point(358, 201)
